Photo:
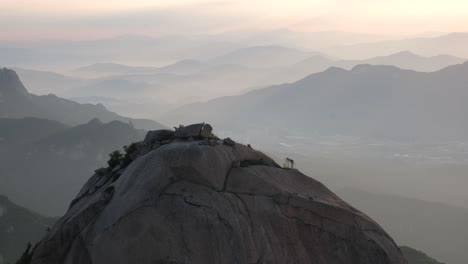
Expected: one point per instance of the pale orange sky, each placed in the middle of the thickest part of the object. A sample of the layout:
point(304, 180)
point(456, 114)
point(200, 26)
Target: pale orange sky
point(55, 18)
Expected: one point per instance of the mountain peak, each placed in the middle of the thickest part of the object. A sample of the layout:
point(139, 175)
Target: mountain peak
point(365, 68)
point(10, 84)
point(95, 121)
point(176, 192)
point(405, 54)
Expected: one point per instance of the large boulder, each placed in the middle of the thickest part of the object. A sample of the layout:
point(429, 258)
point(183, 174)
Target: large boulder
point(191, 202)
point(200, 131)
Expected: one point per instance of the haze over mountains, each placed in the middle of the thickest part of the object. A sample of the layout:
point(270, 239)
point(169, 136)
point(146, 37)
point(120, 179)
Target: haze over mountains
point(151, 91)
point(139, 49)
point(43, 170)
point(453, 44)
point(144, 50)
point(43, 158)
point(17, 102)
point(381, 122)
point(382, 102)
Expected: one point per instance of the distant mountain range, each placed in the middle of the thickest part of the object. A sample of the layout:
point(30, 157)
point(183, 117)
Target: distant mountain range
point(263, 57)
point(407, 60)
point(127, 49)
point(17, 102)
point(45, 170)
point(437, 229)
point(279, 58)
point(18, 226)
point(404, 60)
point(253, 57)
point(47, 82)
point(367, 101)
point(453, 44)
point(138, 49)
point(150, 91)
point(104, 69)
point(144, 50)
point(298, 39)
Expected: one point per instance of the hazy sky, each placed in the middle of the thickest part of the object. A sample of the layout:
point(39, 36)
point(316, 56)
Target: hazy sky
point(41, 19)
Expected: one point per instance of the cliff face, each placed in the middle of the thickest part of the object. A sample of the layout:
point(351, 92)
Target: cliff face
point(189, 197)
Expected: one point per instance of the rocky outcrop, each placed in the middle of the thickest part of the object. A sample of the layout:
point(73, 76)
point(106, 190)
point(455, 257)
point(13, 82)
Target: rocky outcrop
point(197, 199)
point(195, 131)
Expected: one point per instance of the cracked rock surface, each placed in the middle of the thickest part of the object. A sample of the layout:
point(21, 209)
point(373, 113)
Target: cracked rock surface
point(189, 201)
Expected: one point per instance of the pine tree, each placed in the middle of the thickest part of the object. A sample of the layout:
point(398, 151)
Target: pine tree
point(115, 159)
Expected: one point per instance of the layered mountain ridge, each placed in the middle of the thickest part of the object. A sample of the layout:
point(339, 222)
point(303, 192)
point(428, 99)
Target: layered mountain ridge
point(382, 102)
point(16, 102)
point(43, 163)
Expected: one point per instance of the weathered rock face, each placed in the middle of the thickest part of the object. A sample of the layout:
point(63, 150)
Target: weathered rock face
point(205, 201)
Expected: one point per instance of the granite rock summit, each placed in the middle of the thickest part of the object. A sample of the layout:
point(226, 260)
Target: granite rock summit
point(193, 198)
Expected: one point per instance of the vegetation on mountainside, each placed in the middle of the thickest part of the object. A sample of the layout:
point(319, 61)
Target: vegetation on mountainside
point(117, 158)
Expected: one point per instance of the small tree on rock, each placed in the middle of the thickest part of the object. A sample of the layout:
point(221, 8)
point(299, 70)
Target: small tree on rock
point(129, 150)
point(115, 159)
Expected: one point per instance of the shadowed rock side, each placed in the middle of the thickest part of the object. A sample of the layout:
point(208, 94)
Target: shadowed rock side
point(198, 199)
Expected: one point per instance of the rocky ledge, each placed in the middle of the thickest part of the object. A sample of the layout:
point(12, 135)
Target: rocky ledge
point(185, 196)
